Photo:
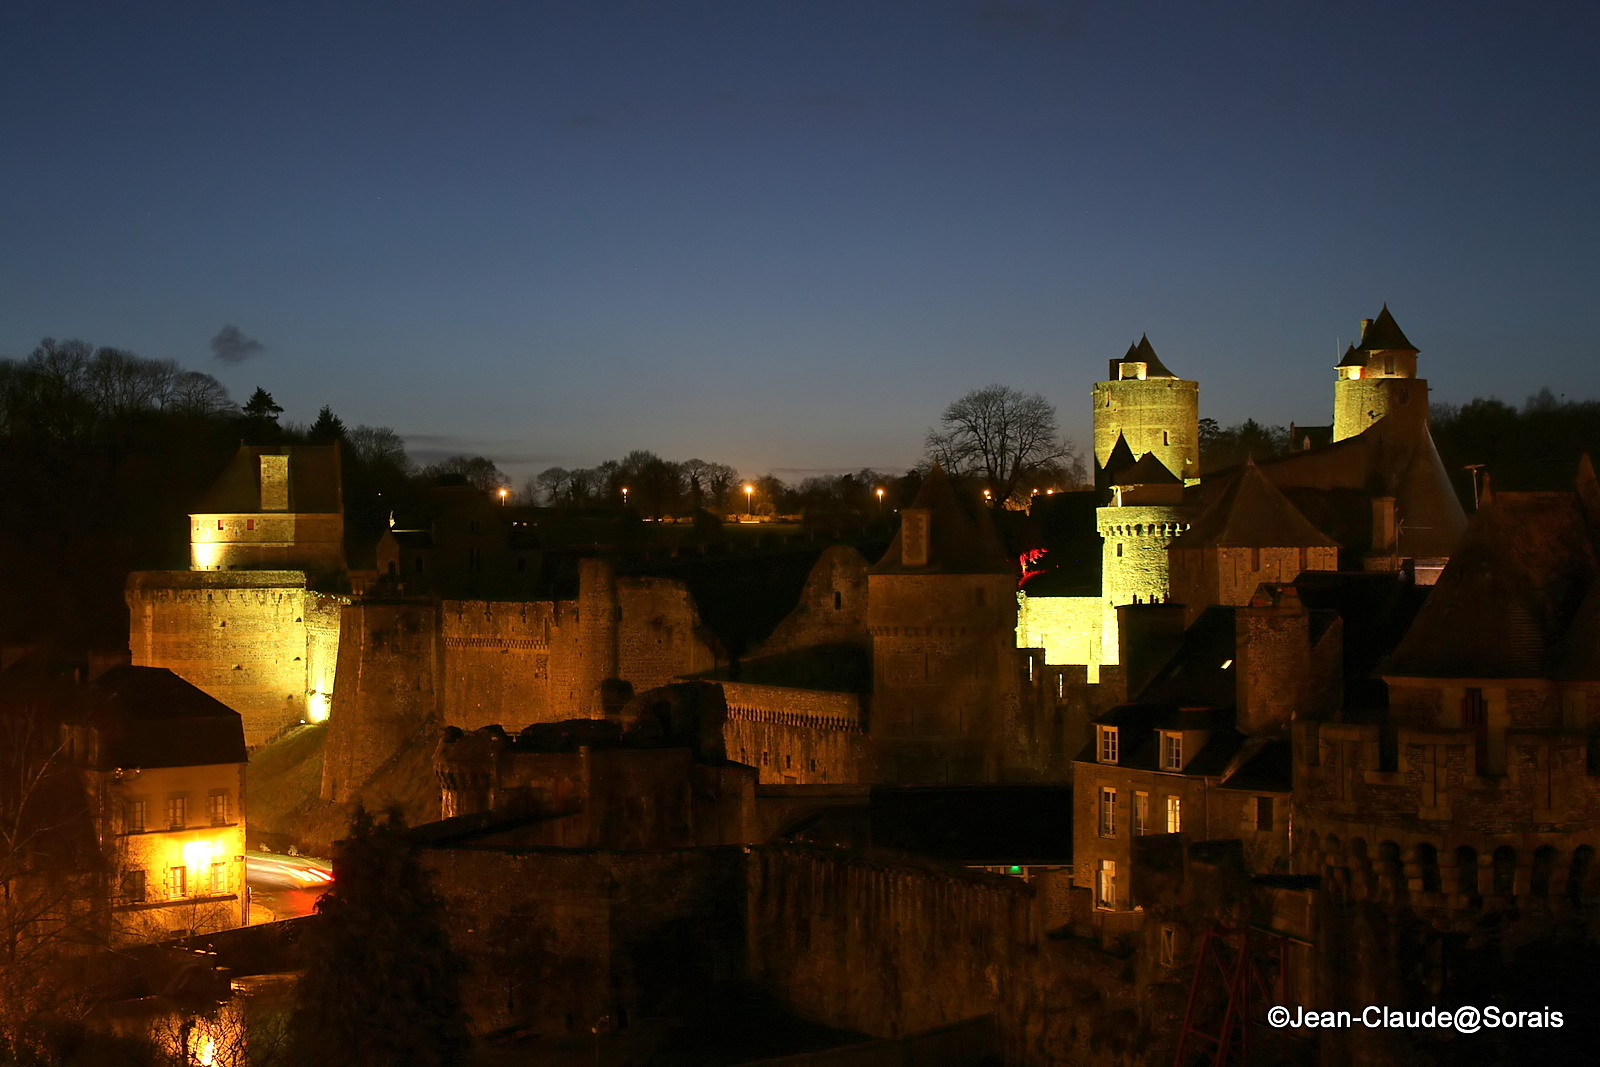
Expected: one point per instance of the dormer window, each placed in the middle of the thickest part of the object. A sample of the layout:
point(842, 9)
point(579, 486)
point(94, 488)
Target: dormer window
point(1108, 744)
point(1171, 751)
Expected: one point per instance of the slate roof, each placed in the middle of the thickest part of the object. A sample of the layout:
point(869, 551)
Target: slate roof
point(1252, 512)
point(1148, 470)
point(1144, 353)
point(1353, 357)
point(1505, 603)
point(961, 543)
point(1383, 334)
point(314, 481)
point(1393, 457)
point(1120, 459)
point(149, 717)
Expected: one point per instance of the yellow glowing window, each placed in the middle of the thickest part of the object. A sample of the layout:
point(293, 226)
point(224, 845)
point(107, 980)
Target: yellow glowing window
point(177, 812)
point(1174, 815)
point(1108, 744)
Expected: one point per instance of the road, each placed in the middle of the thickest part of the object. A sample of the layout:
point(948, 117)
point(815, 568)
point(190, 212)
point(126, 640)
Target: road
point(283, 887)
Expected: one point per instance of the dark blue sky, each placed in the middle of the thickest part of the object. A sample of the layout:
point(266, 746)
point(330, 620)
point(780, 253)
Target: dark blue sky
point(785, 235)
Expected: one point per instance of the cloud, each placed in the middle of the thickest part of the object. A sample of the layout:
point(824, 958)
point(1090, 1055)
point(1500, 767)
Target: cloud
point(231, 345)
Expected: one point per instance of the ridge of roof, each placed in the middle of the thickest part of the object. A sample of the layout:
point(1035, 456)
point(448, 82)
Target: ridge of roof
point(1383, 334)
point(1252, 512)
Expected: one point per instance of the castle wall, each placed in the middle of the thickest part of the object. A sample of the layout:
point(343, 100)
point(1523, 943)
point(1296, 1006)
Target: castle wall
point(495, 663)
point(832, 609)
point(386, 690)
point(1160, 415)
point(267, 541)
point(885, 951)
point(555, 938)
point(1202, 577)
point(1070, 629)
point(255, 640)
point(796, 736)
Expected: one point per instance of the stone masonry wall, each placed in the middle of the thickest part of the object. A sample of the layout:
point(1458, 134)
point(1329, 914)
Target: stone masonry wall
point(796, 736)
point(255, 640)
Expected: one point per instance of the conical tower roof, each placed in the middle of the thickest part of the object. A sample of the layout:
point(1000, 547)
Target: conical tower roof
point(1147, 471)
point(959, 543)
point(1352, 358)
point(1144, 353)
point(1121, 459)
point(1253, 513)
point(1383, 334)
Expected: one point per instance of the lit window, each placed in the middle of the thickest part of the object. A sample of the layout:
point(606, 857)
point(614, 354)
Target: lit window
point(1172, 752)
point(1106, 884)
point(219, 809)
point(1174, 816)
point(1141, 813)
point(219, 878)
point(177, 812)
point(1108, 744)
point(1108, 813)
point(177, 882)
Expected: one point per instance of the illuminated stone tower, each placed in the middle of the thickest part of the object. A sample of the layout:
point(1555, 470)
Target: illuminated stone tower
point(1377, 377)
point(1151, 408)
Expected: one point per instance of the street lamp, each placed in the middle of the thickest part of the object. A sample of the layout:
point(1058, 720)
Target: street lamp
point(503, 492)
point(747, 499)
point(880, 501)
point(624, 496)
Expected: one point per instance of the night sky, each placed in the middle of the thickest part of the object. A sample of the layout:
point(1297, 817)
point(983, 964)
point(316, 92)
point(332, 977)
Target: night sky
point(785, 235)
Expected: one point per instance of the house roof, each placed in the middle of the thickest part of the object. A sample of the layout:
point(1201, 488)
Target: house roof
point(960, 543)
point(149, 717)
point(1269, 769)
point(1383, 334)
point(1505, 604)
point(314, 481)
point(1353, 357)
point(1252, 512)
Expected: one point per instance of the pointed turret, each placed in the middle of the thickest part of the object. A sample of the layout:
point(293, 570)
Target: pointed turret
point(1383, 334)
point(937, 535)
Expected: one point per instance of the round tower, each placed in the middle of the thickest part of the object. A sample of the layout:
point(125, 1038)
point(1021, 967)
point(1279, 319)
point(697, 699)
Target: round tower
point(1152, 409)
point(1133, 566)
point(1377, 377)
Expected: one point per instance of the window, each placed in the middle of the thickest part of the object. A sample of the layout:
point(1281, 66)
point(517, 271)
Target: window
point(249, 524)
point(1119, 549)
point(177, 812)
point(1169, 945)
point(133, 887)
point(1174, 816)
point(1108, 813)
point(219, 808)
point(1106, 884)
point(1264, 814)
point(838, 600)
point(474, 559)
point(177, 882)
point(219, 878)
point(1172, 752)
point(1164, 438)
point(1108, 744)
point(133, 817)
point(1141, 813)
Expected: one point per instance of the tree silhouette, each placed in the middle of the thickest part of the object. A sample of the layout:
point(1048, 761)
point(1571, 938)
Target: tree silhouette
point(1004, 438)
point(382, 983)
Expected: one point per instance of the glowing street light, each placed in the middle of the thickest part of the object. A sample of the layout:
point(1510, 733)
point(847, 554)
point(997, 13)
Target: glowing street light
point(504, 492)
point(624, 496)
point(748, 499)
point(880, 500)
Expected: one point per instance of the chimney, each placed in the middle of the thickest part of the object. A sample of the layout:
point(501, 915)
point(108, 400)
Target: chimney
point(1272, 652)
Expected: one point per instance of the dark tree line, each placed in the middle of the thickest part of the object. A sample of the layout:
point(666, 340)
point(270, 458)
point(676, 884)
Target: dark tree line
point(1535, 447)
point(1222, 447)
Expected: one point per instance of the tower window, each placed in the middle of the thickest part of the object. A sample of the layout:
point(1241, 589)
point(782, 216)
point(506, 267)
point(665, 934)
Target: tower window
point(1119, 549)
point(1164, 438)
